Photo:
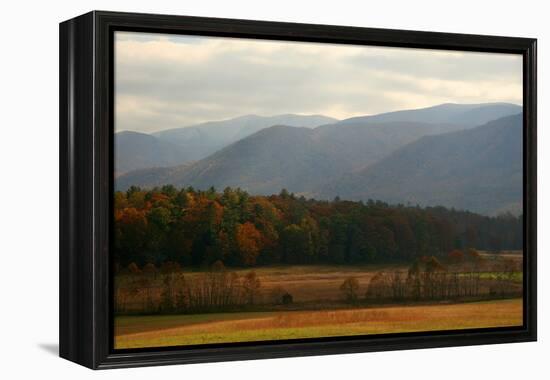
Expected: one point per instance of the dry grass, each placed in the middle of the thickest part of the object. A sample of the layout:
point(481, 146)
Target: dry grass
point(317, 283)
point(157, 331)
point(306, 283)
point(313, 284)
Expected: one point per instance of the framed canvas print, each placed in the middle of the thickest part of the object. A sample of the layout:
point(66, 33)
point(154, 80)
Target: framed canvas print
point(237, 189)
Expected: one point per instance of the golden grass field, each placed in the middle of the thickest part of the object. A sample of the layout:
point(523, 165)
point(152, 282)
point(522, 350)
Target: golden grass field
point(320, 283)
point(175, 330)
point(306, 283)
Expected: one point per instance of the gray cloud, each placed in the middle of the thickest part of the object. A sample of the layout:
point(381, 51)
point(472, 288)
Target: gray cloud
point(173, 81)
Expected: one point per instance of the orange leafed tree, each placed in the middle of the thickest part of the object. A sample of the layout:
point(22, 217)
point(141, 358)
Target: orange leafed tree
point(249, 242)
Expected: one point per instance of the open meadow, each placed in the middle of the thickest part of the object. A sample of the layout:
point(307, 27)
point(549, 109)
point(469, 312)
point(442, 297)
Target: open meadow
point(175, 330)
point(318, 307)
point(306, 283)
point(315, 286)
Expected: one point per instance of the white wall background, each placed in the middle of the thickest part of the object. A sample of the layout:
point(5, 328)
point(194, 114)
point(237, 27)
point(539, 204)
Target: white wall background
point(29, 190)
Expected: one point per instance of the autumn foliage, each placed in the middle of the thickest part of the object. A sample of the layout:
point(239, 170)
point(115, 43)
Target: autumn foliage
point(248, 242)
point(195, 228)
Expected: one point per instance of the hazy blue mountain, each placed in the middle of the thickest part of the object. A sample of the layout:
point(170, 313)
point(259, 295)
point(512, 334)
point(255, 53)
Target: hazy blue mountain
point(477, 169)
point(177, 146)
point(204, 139)
point(370, 138)
point(362, 144)
point(299, 159)
point(149, 177)
point(367, 138)
point(275, 157)
point(469, 115)
point(135, 150)
point(343, 158)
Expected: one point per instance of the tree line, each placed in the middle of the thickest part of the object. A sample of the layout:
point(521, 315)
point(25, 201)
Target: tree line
point(168, 289)
point(198, 228)
point(214, 290)
point(428, 279)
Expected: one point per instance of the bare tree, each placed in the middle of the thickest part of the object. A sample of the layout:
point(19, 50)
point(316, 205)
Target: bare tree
point(350, 289)
point(251, 287)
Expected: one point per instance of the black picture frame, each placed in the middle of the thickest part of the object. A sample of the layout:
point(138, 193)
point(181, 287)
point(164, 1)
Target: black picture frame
point(86, 186)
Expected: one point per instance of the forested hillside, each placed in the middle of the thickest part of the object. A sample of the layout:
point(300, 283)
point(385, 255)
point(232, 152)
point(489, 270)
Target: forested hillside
point(478, 169)
point(411, 162)
point(197, 228)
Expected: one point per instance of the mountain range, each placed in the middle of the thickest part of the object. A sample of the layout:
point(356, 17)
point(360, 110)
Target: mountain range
point(423, 156)
point(134, 150)
point(477, 169)
point(176, 146)
point(470, 115)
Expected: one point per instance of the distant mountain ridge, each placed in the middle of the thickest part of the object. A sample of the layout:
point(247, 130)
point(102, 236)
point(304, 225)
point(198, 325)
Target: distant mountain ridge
point(134, 150)
point(242, 126)
point(330, 160)
point(299, 159)
point(205, 138)
point(469, 115)
point(477, 169)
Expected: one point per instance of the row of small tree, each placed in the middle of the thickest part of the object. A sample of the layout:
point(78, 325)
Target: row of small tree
point(398, 286)
point(428, 279)
point(216, 290)
point(167, 289)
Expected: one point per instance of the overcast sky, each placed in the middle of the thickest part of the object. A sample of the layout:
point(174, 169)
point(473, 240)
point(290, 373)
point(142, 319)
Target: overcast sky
point(168, 81)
